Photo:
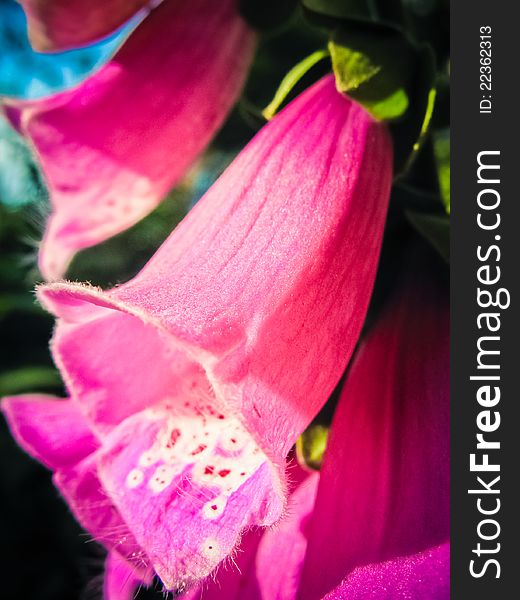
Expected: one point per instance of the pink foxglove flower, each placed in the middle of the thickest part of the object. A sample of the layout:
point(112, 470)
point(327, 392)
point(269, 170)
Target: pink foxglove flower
point(192, 381)
point(384, 489)
point(374, 523)
point(111, 148)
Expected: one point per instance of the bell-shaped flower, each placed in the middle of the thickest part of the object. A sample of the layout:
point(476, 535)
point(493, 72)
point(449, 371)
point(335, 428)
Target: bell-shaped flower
point(112, 147)
point(374, 523)
point(196, 377)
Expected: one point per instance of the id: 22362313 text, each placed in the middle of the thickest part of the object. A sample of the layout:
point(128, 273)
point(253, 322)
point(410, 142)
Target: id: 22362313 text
point(485, 106)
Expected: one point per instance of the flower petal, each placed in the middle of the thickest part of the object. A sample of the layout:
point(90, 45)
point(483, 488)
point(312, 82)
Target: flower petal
point(138, 123)
point(384, 488)
point(281, 553)
point(121, 579)
point(66, 24)
point(81, 488)
point(423, 576)
point(49, 429)
point(188, 481)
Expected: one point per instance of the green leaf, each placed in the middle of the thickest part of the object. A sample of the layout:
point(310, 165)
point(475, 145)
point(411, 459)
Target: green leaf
point(391, 107)
point(311, 445)
point(328, 13)
point(27, 379)
point(434, 228)
point(441, 146)
point(373, 64)
point(351, 67)
point(362, 9)
point(290, 80)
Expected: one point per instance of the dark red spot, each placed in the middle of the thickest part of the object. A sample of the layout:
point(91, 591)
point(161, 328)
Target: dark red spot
point(209, 470)
point(200, 448)
point(221, 417)
point(214, 507)
point(174, 436)
point(224, 472)
point(233, 441)
point(242, 474)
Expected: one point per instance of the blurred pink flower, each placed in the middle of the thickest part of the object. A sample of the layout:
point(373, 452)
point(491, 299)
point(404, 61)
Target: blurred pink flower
point(190, 383)
point(66, 24)
point(111, 148)
point(382, 507)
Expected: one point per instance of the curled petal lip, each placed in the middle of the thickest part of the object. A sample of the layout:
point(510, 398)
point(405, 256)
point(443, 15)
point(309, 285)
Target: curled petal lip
point(374, 523)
